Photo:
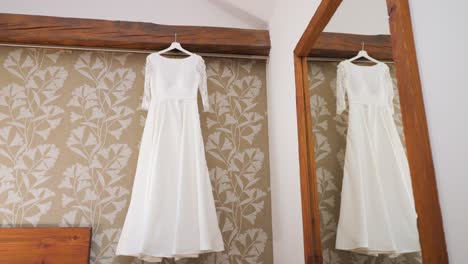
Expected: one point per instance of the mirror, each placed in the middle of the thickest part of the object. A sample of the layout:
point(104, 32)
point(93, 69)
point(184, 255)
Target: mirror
point(366, 205)
point(330, 131)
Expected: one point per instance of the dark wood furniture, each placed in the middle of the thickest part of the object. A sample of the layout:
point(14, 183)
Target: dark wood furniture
point(68, 245)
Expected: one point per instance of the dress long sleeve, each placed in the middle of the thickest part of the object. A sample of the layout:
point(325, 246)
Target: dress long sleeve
point(340, 90)
point(389, 90)
point(203, 85)
point(147, 88)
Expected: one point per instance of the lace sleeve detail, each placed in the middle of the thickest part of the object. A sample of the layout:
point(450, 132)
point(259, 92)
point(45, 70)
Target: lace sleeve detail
point(202, 86)
point(388, 82)
point(340, 89)
point(147, 88)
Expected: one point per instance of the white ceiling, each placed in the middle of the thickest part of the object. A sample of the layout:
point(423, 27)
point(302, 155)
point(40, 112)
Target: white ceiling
point(255, 12)
point(353, 16)
point(368, 17)
point(252, 14)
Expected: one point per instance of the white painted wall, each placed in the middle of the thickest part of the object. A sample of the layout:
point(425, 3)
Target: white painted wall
point(441, 36)
point(288, 21)
point(221, 13)
point(367, 17)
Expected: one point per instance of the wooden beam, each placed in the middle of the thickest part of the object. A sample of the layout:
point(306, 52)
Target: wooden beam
point(431, 232)
point(45, 245)
point(319, 21)
point(308, 177)
point(46, 30)
point(339, 45)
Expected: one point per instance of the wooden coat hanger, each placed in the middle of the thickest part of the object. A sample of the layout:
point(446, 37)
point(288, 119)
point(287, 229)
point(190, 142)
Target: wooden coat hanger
point(363, 54)
point(175, 45)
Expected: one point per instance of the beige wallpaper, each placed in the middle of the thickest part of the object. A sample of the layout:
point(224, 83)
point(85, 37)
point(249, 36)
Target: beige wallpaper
point(330, 142)
point(70, 126)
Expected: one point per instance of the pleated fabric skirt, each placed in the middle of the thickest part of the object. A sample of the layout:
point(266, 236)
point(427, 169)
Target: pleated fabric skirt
point(172, 212)
point(377, 213)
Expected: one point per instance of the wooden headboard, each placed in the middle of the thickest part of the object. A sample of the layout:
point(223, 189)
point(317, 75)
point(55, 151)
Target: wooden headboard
point(67, 245)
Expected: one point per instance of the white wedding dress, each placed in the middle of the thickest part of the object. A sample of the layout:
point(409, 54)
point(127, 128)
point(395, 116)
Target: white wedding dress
point(377, 214)
point(172, 212)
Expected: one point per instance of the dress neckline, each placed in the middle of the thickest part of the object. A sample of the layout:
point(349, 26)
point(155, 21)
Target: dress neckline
point(364, 67)
point(172, 59)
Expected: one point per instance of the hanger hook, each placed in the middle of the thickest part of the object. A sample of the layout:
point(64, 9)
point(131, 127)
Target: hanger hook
point(175, 37)
point(362, 46)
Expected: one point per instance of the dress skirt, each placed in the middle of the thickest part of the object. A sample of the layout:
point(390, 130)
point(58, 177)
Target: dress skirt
point(171, 213)
point(377, 214)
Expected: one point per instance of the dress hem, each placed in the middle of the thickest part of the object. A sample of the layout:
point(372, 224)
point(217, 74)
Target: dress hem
point(376, 252)
point(149, 257)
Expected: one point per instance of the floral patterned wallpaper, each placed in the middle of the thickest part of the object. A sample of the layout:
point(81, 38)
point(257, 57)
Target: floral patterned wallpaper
point(329, 132)
point(70, 127)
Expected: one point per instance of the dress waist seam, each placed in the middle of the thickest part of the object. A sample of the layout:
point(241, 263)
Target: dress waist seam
point(367, 103)
point(176, 99)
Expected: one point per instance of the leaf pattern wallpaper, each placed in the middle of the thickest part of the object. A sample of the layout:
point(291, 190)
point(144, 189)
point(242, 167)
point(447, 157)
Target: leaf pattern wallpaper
point(329, 132)
point(70, 127)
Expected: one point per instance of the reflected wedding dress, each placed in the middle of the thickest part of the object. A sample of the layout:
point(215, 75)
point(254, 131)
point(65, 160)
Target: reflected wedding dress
point(377, 214)
point(172, 212)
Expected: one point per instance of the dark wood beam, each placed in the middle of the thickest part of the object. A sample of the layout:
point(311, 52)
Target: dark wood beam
point(430, 225)
point(319, 21)
point(46, 30)
point(339, 45)
point(308, 177)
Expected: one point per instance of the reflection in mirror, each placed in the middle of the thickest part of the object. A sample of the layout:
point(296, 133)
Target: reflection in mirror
point(364, 17)
point(366, 205)
point(330, 130)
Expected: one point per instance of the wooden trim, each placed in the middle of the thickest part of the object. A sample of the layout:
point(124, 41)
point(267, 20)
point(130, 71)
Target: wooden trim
point(314, 42)
point(431, 232)
point(312, 168)
point(308, 176)
point(317, 24)
point(310, 210)
point(46, 30)
point(340, 45)
point(45, 245)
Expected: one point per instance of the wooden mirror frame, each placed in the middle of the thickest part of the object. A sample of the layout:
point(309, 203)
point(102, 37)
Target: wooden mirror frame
point(431, 233)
